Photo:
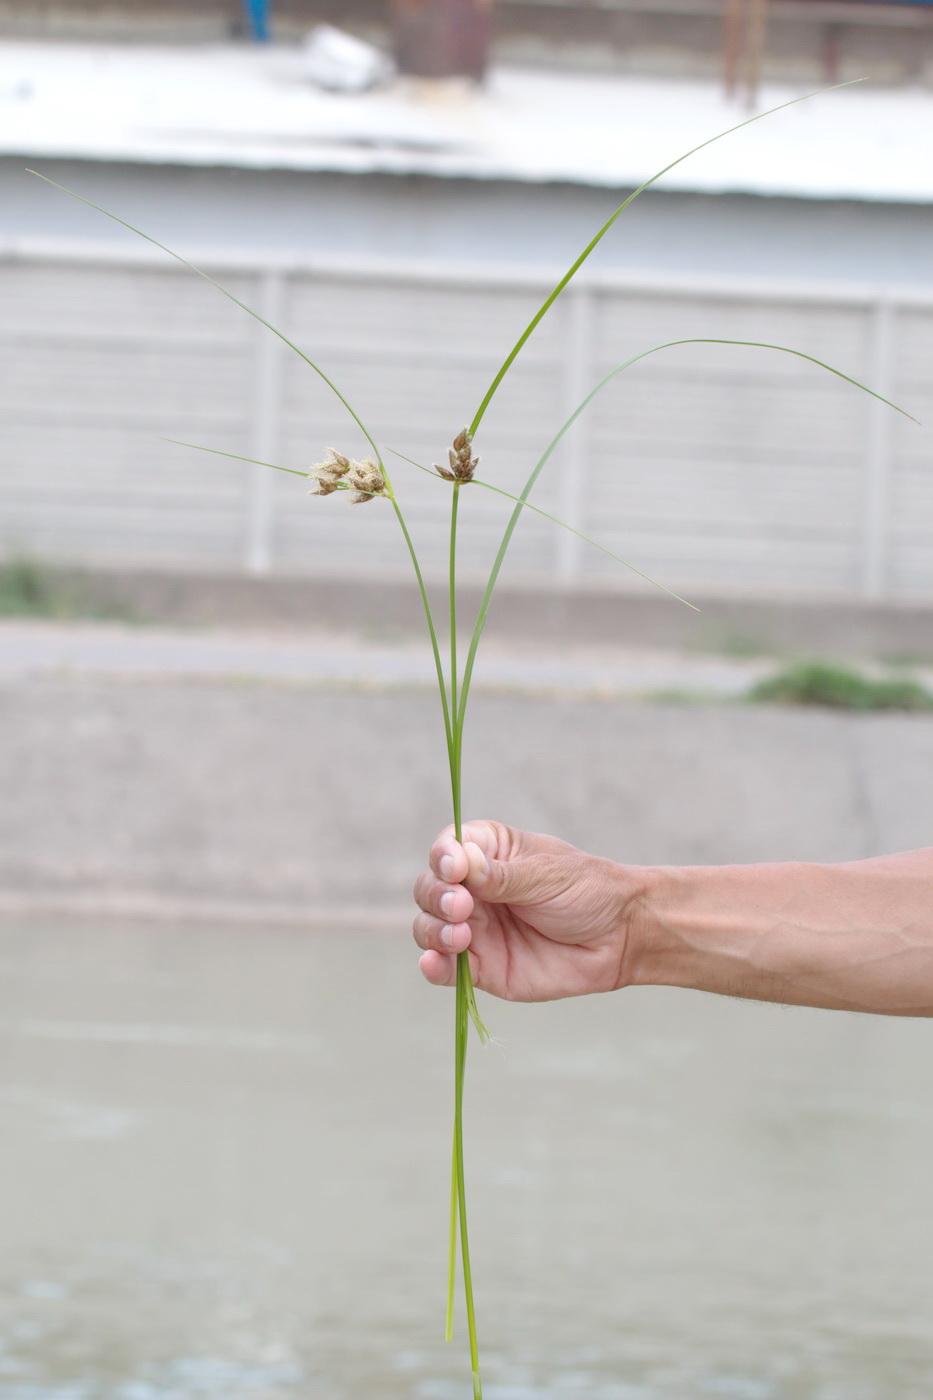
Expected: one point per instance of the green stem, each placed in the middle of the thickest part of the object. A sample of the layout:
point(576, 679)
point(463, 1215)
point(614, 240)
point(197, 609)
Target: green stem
point(463, 984)
point(452, 588)
point(422, 589)
point(454, 1200)
point(464, 1000)
point(429, 617)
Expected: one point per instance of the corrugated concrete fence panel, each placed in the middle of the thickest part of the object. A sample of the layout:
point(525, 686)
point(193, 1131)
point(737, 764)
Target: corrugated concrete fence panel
point(723, 464)
point(415, 358)
point(95, 364)
point(911, 525)
point(709, 466)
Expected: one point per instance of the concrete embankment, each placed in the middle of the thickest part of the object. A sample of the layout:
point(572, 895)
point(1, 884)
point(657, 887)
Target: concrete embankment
point(295, 800)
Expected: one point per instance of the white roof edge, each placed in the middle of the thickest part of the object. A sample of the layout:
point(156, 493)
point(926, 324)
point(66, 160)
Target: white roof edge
point(401, 168)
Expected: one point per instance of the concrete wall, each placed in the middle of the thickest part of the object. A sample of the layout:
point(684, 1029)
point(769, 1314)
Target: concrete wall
point(318, 804)
point(710, 467)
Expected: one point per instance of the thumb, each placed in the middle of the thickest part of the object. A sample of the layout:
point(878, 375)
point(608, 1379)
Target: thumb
point(523, 880)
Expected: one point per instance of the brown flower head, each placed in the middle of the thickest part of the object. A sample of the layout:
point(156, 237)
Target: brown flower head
point(462, 462)
point(367, 481)
point(321, 487)
point(327, 474)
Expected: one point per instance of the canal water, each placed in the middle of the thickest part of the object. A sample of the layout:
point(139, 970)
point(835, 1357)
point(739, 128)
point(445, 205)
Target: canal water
point(224, 1161)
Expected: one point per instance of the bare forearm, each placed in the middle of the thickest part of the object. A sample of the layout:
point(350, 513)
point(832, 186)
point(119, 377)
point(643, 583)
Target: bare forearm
point(855, 937)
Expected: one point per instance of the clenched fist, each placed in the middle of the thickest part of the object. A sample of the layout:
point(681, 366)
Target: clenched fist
point(541, 919)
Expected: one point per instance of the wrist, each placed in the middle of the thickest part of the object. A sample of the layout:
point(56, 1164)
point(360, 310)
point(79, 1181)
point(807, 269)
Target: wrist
point(636, 925)
point(666, 926)
point(700, 927)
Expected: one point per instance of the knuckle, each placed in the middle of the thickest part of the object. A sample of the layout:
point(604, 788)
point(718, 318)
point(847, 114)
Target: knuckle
point(419, 931)
point(426, 931)
point(423, 887)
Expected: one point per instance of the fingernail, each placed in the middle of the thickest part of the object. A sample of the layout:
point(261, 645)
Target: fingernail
point(447, 866)
point(447, 902)
point(447, 936)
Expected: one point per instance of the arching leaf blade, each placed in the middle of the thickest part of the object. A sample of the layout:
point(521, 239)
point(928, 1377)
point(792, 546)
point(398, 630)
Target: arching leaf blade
point(568, 424)
point(192, 267)
point(217, 452)
point(488, 486)
point(574, 268)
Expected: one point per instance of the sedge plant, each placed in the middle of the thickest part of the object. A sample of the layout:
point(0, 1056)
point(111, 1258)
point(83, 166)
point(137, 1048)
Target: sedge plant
point(368, 480)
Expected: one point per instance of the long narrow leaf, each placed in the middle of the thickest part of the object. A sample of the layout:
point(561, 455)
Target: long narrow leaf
point(217, 452)
point(574, 268)
point(564, 429)
point(554, 519)
point(229, 295)
point(419, 577)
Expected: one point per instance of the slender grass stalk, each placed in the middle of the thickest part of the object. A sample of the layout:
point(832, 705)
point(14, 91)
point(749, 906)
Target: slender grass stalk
point(419, 577)
point(237, 456)
point(192, 267)
point(452, 598)
point(464, 988)
point(429, 619)
point(555, 520)
point(454, 1208)
point(466, 1008)
point(454, 718)
point(455, 690)
point(465, 998)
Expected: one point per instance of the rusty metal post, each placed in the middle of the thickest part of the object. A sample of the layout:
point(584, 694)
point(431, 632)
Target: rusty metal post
point(733, 34)
point(442, 38)
point(755, 49)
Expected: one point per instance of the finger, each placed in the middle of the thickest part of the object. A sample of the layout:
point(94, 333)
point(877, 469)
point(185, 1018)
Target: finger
point(438, 969)
point(491, 839)
point(478, 862)
point(523, 879)
point(449, 859)
point(431, 933)
point(450, 902)
point(441, 969)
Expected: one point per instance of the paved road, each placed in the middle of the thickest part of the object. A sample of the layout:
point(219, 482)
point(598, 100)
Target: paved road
point(183, 795)
point(30, 649)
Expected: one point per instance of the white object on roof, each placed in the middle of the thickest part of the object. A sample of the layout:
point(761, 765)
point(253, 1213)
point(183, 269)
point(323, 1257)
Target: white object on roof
point(239, 106)
point(340, 62)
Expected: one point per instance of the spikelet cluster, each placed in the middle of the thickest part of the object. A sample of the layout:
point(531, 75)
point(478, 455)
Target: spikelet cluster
point(462, 462)
point(339, 473)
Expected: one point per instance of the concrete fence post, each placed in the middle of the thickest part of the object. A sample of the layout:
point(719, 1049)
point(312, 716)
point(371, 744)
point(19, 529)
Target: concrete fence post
point(265, 412)
point(577, 374)
point(879, 451)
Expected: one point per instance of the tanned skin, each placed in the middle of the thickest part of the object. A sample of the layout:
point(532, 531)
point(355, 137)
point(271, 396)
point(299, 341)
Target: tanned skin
point(544, 920)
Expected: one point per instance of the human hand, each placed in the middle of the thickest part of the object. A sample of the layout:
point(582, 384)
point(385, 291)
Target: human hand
point(541, 919)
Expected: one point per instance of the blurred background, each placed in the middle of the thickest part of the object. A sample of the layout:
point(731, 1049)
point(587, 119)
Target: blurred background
point(224, 1091)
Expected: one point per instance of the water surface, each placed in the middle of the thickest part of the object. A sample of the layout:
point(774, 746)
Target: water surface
point(224, 1156)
